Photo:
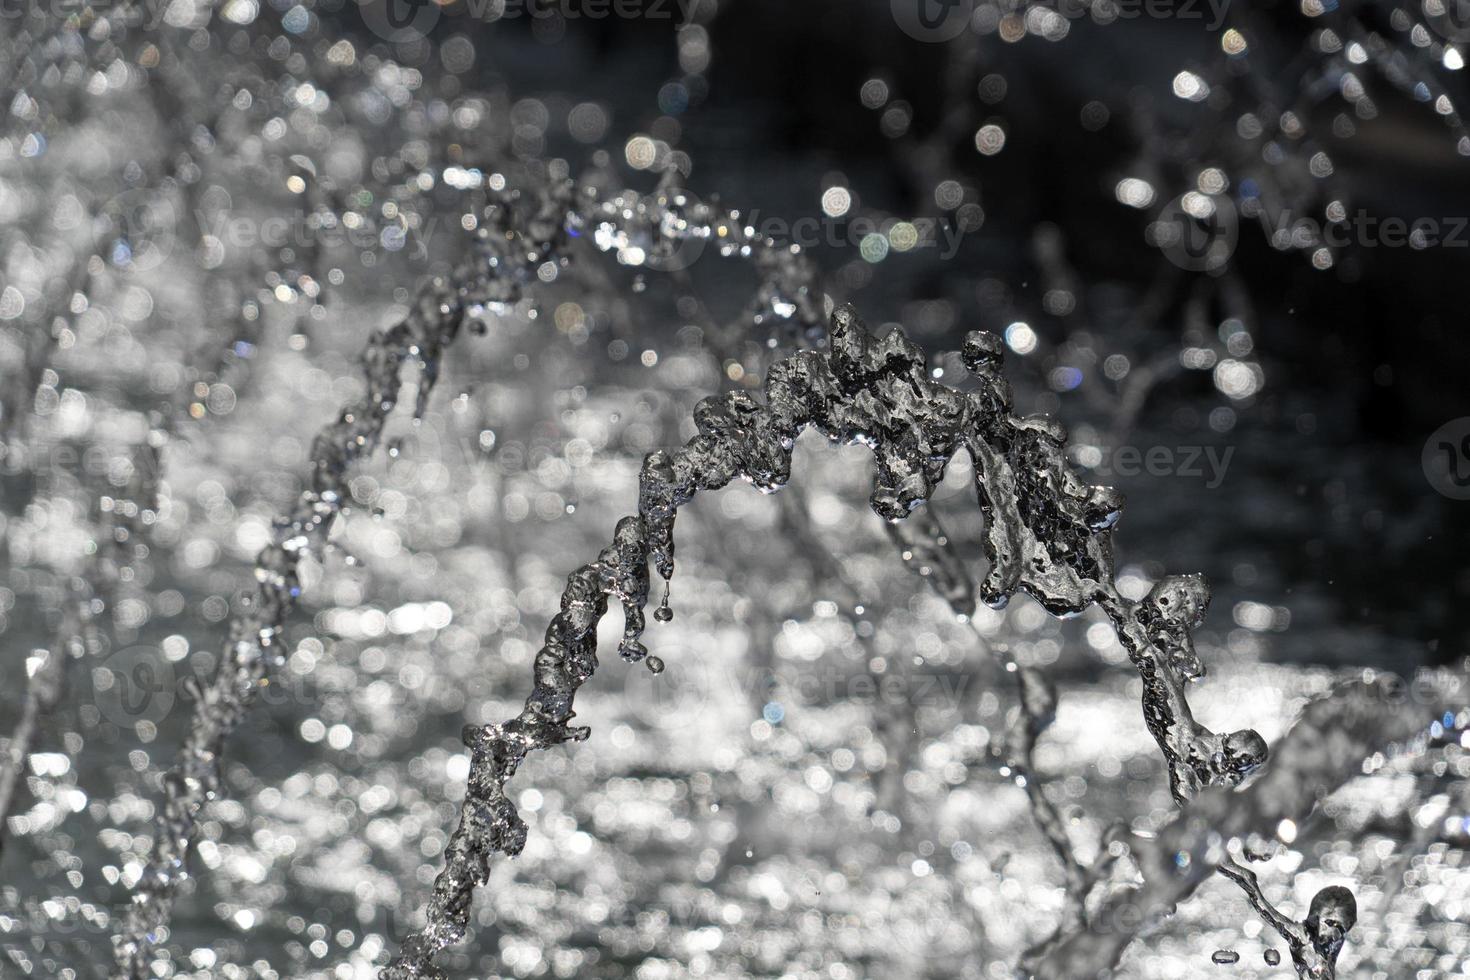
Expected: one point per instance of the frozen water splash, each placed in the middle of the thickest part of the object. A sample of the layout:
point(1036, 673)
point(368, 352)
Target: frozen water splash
point(122, 515)
point(516, 235)
point(251, 649)
point(1048, 533)
point(1314, 942)
point(1324, 750)
point(1049, 537)
point(671, 229)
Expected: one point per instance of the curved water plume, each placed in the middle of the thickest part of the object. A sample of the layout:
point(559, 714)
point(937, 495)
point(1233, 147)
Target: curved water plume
point(514, 236)
point(1049, 536)
point(251, 647)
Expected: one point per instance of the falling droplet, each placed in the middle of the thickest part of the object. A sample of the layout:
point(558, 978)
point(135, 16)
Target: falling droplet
point(1273, 957)
point(655, 665)
point(1225, 957)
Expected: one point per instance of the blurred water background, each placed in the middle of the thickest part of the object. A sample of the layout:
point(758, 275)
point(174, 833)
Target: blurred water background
point(811, 788)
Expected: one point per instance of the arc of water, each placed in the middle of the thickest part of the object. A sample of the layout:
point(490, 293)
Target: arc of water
point(1048, 536)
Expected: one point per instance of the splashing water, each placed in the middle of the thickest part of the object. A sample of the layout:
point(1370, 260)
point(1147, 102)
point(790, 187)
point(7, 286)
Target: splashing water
point(1048, 536)
point(251, 648)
